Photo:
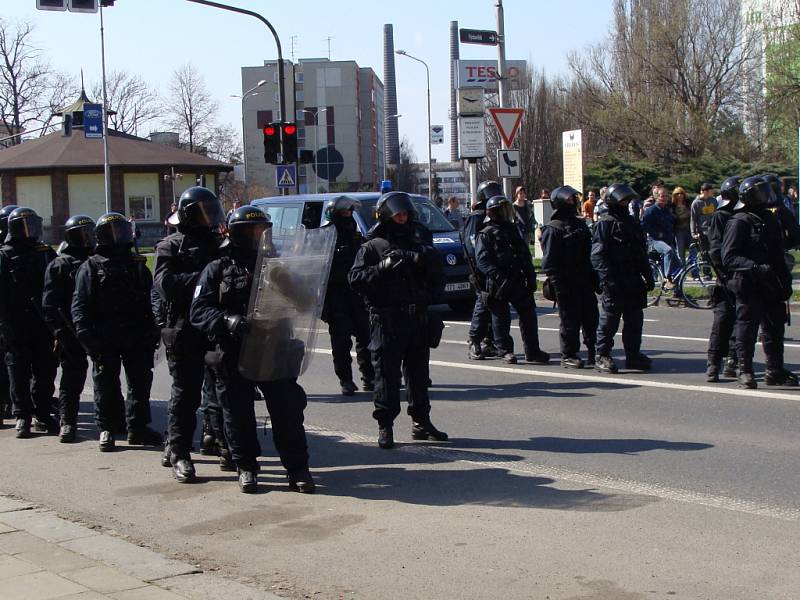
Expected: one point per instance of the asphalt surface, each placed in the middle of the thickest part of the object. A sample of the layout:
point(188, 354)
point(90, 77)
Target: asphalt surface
point(555, 484)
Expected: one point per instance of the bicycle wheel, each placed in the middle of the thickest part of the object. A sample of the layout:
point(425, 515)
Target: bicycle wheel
point(654, 295)
point(697, 283)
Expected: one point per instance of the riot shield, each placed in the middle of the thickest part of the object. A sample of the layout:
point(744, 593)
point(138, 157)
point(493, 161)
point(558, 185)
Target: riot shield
point(285, 304)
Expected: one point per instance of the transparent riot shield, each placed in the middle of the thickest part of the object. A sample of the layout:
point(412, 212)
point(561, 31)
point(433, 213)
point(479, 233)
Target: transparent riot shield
point(285, 304)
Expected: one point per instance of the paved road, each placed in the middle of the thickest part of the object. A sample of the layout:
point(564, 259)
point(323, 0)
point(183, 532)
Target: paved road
point(555, 484)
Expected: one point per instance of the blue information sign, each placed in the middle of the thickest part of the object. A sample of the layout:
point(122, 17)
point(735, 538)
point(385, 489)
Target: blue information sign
point(93, 120)
point(285, 175)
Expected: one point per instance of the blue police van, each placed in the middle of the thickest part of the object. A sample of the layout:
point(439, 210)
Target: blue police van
point(287, 213)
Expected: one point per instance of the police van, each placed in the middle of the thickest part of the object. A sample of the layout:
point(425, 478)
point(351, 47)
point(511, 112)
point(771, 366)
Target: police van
point(287, 213)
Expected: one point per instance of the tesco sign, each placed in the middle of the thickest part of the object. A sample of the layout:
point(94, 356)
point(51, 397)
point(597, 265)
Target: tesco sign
point(483, 73)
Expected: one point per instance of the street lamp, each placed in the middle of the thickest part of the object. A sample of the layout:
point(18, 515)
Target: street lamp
point(428, 75)
point(384, 151)
point(316, 113)
point(250, 92)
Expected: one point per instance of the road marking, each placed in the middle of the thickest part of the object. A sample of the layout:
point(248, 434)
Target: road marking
point(629, 486)
point(525, 371)
point(644, 335)
point(556, 315)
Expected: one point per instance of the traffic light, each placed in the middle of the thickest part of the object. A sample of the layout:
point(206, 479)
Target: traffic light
point(272, 142)
point(289, 143)
point(88, 6)
point(51, 4)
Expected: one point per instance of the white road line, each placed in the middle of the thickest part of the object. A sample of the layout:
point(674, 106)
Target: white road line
point(645, 335)
point(555, 315)
point(634, 381)
point(629, 486)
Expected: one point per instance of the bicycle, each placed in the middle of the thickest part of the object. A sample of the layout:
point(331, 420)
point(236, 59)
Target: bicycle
point(693, 285)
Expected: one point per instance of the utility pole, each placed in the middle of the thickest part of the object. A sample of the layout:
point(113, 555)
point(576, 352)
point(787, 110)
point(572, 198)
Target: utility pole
point(502, 80)
point(106, 166)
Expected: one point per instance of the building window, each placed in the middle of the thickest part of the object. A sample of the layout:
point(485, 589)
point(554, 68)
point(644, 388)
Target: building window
point(142, 208)
point(298, 77)
point(299, 95)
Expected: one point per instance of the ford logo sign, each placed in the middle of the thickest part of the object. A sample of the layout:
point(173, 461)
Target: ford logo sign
point(451, 259)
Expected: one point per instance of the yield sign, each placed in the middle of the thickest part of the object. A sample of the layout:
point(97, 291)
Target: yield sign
point(507, 121)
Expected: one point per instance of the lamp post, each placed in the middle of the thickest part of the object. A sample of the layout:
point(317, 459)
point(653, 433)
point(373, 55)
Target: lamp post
point(316, 114)
point(384, 152)
point(250, 92)
point(428, 133)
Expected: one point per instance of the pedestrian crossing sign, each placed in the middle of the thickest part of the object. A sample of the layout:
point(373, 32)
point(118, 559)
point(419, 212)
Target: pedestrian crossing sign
point(286, 176)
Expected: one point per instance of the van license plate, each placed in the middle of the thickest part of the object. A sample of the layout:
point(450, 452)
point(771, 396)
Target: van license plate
point(457, 287)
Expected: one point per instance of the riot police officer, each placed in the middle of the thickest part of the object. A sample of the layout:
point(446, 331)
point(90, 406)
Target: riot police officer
point(344, 310)
point(752, 251)
point(719, 346)
point(114, 322)
point(567, 248)
point(790, 228)
point(180, 258)
point(5, 384)
point(619, 256)
point(399, 275)
point(481, 344)
point(505, 261)
point(59, 287)
point(219, 310)
point(32, 364)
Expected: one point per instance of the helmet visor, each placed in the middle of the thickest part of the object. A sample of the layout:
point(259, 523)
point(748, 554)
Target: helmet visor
point(27, 227)
point(206, 213)
point(398, 203)
point(81, 237)
point(115, 233)
point(503, 213)
point(248, 235)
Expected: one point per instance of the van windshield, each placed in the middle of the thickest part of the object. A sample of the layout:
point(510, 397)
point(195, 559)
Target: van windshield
point(429, 214)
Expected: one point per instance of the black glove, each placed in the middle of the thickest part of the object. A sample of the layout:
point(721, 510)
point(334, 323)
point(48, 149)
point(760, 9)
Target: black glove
point(389, 262)
point(408, 255)
point(649, 283)
point(762, 270)
point(237, 325)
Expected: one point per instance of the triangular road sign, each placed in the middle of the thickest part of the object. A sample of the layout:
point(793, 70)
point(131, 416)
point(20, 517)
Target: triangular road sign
point(507, 121)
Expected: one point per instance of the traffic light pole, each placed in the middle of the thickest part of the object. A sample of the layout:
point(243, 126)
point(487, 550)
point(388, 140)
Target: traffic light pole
point(106, 166)
point(502, 80)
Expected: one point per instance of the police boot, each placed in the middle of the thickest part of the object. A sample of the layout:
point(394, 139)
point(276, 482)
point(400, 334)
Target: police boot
point(66, 434)
point(385, 437)
point(590, 356)
point(746, 380)
point(539, 357)
point(248, 478)
point(712, 373)
point(606, 364)
point(474, 351)
point(144, 436)
point(208, 443)
point(348, 388)
point(225, 461)
point(107, 443)
point(183, 469)
point(731, 367)
point(509, 358)
point(45, 425)
point(166, 456)
point(368, 385)
point(23, 429)
point(638, 363)
point(780, 377)
point(301, 481)
point(571, 362)
point(488, 348)
point(424, 430)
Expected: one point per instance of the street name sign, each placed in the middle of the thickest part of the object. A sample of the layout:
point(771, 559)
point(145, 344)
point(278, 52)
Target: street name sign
point(478, 36)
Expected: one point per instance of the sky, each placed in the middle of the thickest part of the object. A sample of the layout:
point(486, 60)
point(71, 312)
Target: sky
point(152, 38)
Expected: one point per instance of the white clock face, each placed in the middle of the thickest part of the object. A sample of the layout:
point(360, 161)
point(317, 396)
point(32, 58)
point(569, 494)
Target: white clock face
point(470, 101)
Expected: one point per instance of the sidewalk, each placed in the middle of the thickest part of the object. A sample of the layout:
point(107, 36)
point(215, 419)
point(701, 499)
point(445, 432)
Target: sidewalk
point(43, 556)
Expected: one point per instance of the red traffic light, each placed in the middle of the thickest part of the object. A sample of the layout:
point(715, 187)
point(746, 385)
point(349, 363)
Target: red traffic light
point(290, 129)
point(270, 130)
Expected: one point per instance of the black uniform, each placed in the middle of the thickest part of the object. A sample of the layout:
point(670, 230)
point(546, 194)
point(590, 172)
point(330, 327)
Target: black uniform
point(59, 287)
point(223, 290)
point(114, 321)
point(398, 298)
point(480, 325)
point(752, 252)
point(619, 256)
point(567, 247)
point(505, 261)
point(180, 258)
point(344, 310)
point(719, 340)
point(32, 365)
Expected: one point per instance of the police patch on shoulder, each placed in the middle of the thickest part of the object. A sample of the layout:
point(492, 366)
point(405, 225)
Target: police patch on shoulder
point(197, 290)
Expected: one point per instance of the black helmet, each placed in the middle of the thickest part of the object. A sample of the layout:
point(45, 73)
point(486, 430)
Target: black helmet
point(499, 209)
point(246, 225)
point(113, 231)
point(774, 182)
point(79, 232)
point(560, 196)
point(24, 224)
point(4, 212)
point(338, 204)
point(729, 192)
point(753, 192)
point(198, 208)
point(394, 203)
point(486, 191)
point(619, 193)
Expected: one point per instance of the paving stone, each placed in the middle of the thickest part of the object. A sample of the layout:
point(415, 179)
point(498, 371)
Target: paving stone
point(150, 592)
point(43, 554)
point(46, 525)
point(39, 586)
point(86, 596)
point(6, 528)
point(103, 579)
point(133, 560)
point(9, 504)
point(203, 586)
point(11, 566)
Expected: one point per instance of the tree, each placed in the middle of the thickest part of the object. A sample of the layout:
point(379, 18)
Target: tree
point(130, 98)
point(223, 143)
point(403, 175)
point(189, 107)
